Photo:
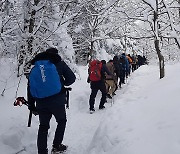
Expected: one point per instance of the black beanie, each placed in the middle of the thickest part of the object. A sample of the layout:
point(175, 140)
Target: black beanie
point(52, 50)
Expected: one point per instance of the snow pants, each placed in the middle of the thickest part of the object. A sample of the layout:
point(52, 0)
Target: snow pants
point(95, 87)
point(110, 86)
point(45, 115)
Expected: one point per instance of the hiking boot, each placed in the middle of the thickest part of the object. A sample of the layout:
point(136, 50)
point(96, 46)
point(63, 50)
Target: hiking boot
point(109, 96)
point(101, 107)
point(92, 111)
point(59, 149)
point(113, 93)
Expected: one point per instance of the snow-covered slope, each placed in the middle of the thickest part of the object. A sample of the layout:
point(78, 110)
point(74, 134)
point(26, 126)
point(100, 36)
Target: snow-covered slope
point(144, 118)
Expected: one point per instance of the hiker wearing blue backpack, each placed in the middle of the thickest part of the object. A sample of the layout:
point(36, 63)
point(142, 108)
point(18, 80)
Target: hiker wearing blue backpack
point(47, 96)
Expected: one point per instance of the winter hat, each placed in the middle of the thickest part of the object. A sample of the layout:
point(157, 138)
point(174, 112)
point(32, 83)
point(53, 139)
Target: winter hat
point(52, 50)
point(103, 61)
point(115, 58)
point(50, 54)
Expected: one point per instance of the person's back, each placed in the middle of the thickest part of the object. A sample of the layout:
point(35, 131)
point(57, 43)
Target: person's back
point(129, 58)
point(111, 69)
point(125, 67)
point(118, 68)
point(96, 86)
point(140, 60)
point(52, 105)
point(122, 62)
point(134, 62)
point(130, 63)
point(125, 62)
point(116, 65)
point(111, 80)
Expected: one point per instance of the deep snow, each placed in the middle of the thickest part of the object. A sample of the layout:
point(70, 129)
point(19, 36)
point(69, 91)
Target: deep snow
point(144, 118)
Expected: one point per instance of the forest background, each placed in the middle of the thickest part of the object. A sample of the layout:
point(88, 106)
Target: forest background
point(83, 30)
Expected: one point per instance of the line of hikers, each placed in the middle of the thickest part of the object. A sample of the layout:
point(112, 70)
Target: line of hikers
point(108, 76)
point(47, 93)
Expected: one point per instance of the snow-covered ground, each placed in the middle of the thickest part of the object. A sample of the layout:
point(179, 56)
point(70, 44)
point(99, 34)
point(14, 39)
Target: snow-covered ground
point(144, 118)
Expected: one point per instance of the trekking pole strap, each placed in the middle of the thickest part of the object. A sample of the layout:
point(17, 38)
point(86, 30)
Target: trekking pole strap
point(20, 101)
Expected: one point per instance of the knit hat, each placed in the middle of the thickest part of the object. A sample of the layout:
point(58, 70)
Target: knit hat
point(52, 50)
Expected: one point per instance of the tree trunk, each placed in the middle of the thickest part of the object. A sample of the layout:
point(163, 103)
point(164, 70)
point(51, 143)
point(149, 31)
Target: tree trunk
point(91, 52)
point(161, 59)
point(156, 43)
point(179, 9)
point(27, 47)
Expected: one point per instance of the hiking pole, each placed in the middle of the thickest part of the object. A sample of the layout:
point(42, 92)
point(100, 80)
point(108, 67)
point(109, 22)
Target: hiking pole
point(30, 117)
point(112, 101)
point(67, 96)
point(19, 102)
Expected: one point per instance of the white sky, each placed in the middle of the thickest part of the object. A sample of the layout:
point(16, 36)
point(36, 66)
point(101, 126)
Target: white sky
point(144, 118)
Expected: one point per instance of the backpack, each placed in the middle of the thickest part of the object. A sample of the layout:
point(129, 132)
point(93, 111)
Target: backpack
point(95, 67)
point(129, 59)
point(44, 80)
point(123, 62)
point(111, 69)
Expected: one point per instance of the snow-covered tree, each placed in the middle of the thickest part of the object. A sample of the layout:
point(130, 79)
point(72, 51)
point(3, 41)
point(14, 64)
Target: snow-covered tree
point(7, 27)
point(153, 21)
point(42, 24)
point(90, 28)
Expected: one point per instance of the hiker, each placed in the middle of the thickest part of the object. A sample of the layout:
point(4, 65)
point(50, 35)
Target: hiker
point(125, 66)
point(118, 70)
point(51, 105)
point(144, 60)
point(111, 80)
point(97, 82)
point(134, 62)
point(130, 63)
point(140, 60)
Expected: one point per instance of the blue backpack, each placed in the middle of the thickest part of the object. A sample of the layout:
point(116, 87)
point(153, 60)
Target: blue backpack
point(44, 80)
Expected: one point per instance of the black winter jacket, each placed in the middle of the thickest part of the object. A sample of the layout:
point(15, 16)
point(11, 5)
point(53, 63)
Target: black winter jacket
point(66, 75)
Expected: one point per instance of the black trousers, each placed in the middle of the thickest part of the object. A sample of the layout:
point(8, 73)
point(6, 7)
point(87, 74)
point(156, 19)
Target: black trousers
point(95, 87)
point(122, 78)
point(45, 115)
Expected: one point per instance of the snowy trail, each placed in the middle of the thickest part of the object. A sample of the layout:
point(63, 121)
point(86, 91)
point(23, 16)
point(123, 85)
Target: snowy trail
point(143, 119)
point(82, 126)
point(81, 129)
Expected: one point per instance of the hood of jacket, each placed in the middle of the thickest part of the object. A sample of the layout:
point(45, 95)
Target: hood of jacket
point(52, 57)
